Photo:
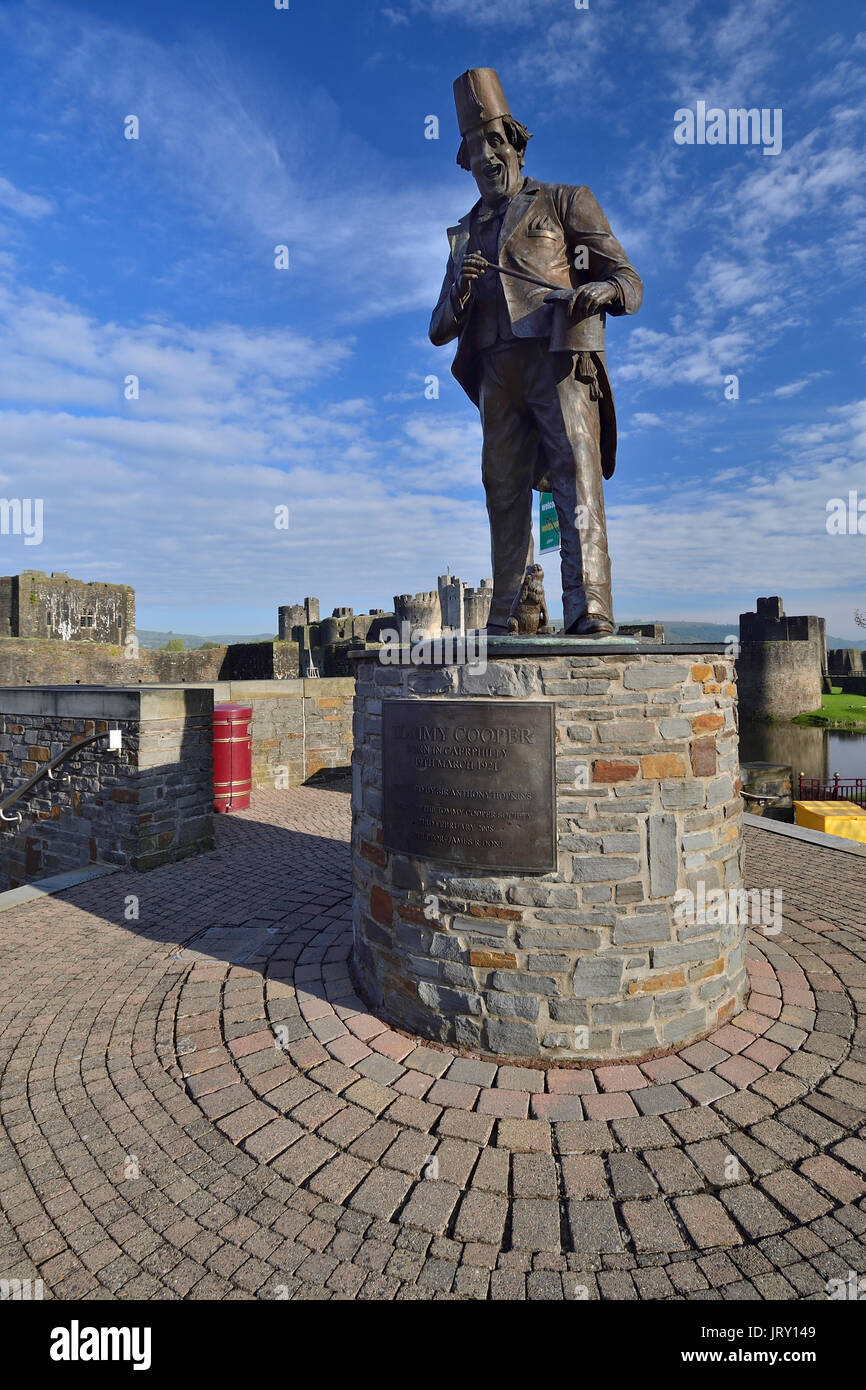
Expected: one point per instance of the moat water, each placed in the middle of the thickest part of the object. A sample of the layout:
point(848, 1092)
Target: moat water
point(815, 752)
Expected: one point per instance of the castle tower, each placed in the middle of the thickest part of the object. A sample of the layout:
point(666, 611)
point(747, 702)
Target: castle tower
point(476, 605)
point(422, 611)
point(781, 663)
point(340, 627)
point(290, 616)
point(451, 602)
point(294, 615)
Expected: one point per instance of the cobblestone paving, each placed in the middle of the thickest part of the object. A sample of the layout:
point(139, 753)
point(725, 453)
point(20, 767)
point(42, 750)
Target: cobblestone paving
point(195, 1105)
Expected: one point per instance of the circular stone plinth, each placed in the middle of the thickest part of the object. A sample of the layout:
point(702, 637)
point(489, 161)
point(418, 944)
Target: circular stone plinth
point(597, 952)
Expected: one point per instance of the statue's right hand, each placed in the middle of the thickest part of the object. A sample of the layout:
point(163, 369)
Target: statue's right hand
point(473, 266)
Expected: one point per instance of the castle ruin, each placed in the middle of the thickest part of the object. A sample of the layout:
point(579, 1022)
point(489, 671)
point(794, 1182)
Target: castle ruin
point(782, 662)
point(297, 615)
point(463, 609)
point(41, 606)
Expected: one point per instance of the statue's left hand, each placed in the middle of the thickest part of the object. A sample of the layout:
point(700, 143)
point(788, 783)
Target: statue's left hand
point(590, 298)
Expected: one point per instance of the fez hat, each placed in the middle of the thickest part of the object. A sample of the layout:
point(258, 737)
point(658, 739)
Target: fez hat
point(479, 98)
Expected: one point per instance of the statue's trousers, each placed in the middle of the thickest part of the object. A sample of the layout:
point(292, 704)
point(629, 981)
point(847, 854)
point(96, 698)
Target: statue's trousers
point(530, 395)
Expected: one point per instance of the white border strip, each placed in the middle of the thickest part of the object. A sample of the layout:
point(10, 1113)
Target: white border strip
point(44, 887)
point(810, 837)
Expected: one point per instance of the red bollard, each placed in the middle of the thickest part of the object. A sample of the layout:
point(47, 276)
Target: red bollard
point(232, 757)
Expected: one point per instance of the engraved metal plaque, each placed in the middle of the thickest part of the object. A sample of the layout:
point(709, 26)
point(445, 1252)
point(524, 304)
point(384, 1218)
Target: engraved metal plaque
point(470, 783)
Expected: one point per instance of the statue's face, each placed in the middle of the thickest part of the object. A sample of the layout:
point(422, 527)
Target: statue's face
point(494, 162)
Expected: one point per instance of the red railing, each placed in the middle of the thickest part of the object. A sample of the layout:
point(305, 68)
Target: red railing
point(833, 788)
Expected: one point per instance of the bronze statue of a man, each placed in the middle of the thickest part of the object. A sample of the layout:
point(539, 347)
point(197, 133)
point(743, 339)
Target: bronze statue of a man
point(534, 270)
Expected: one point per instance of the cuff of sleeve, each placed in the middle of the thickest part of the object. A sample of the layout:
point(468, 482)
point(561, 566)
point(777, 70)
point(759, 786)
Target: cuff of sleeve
point(457, 304)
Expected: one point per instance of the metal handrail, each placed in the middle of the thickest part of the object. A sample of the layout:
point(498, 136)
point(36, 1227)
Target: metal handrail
point(48, 770)
point(763, 798)
point(832, 788)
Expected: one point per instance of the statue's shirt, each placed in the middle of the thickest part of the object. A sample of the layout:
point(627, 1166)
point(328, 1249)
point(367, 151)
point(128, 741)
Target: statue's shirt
point(492, 319)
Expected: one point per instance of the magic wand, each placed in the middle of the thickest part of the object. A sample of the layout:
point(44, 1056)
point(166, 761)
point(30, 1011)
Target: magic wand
point(558, 290)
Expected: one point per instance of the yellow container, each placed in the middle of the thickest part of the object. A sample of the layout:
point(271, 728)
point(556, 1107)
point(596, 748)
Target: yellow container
point(843, 818)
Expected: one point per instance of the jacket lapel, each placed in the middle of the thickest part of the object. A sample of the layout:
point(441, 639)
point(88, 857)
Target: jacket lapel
point(518, 208)
point(458, 239)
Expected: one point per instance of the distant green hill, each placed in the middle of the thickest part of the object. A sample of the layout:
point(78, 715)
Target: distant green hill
point(700, 632)
point(674, 632)
point(155, 641)
point(717, 632)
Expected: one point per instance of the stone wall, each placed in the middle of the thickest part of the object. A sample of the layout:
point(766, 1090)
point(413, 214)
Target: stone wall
point(845, 661)
point(647, 804)
point(144, 806)
point(26, 661)
point(149, 804)
point(850, 685)
point(778, 680)
point(328, 724)
point(299, 727)
point(648, 632)
point(261, 661)
point(769, 779)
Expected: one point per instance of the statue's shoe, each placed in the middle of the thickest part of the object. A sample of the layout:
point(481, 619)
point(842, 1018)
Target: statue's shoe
point(591, 625)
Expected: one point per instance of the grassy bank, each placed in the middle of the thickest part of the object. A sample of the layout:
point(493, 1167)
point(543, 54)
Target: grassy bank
point(837, 711)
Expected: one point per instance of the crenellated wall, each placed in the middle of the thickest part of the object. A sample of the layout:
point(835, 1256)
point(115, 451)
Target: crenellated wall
point(476, 605)
point(845, 661)
point(781, 663)
point(422, 611)
point(57, 608)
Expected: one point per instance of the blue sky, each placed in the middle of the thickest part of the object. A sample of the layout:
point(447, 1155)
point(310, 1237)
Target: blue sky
point(305, 387)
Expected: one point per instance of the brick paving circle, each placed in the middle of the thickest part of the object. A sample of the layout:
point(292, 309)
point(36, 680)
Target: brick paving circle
point(194, 1104)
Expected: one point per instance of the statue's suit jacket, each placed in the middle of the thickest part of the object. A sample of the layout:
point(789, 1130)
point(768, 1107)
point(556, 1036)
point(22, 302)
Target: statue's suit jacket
point(543, 228)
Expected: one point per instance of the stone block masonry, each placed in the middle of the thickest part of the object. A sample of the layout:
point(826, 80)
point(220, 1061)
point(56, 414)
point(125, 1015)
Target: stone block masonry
point(29, 661)
point(591, 961)
point(152, 803)
point(300, 727)
point(845, 661)
point(781, 664)
point(149, 804)
point(55, 607)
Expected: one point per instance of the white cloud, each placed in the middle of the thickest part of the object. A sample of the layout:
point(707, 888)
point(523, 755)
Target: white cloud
point(52, 354)
point(208, 140)
point(793, 388)
point(30, 205)
point(764, 535)
point(175, 492)
point(688, 355)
